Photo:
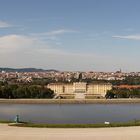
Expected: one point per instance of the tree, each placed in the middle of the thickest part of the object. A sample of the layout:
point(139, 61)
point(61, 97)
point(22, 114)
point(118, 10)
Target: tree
point(110, 94)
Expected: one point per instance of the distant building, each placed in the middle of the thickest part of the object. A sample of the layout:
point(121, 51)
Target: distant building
point(127, 87)
point(80, 89)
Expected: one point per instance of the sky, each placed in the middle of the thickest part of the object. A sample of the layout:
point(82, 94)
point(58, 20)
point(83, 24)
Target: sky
point(70, 35)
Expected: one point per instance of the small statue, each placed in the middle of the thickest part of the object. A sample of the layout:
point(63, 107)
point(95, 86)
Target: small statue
point(17, 119)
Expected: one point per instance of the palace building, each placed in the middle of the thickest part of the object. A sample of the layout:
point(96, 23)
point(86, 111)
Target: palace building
point(80, 89)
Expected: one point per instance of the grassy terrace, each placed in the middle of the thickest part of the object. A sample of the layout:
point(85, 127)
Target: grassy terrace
point(135, 123)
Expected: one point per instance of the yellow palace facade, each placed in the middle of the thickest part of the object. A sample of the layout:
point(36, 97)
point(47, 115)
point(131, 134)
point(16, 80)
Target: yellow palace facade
point(80, 89)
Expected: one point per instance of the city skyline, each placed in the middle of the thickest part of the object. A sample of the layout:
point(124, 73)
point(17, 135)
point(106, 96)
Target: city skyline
point(75, 35)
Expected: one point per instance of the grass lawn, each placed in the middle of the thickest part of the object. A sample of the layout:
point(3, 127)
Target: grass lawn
point(135, 123)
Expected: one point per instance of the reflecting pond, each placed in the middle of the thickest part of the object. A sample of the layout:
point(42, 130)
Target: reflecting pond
point(71, 113)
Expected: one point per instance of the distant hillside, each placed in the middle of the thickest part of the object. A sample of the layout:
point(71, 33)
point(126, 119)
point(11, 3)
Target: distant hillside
point(25, 70)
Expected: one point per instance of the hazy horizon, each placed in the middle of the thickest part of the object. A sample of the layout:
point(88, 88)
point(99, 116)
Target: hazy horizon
point(74, 35)
point(67, 70)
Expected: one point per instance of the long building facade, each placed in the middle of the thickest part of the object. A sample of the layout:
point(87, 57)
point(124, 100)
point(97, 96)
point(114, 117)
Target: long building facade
point(80, 89)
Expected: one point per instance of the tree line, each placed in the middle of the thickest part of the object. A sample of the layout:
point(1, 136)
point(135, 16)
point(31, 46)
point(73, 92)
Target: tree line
point(25, 91)
point(123, 93)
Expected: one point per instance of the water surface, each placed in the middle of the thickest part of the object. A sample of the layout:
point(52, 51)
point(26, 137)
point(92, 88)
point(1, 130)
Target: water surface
point(71, 113)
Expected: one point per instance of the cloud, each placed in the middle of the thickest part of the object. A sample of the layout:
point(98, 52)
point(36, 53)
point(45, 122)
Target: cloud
point(129, 29)
point(54, 33)
point(4, 24)
point(26, 51)
point(59, 32)
point(130, 37)
point(13, 42)
point(53, 36)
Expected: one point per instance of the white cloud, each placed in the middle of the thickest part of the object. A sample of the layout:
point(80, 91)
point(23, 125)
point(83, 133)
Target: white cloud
point(26, 51)
point(129, 29)
point(10, 43)
point(59, 32)
point(130, 37)
point(54, 33)
point(4, 24)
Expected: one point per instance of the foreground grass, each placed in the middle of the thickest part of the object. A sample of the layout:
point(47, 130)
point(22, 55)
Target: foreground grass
point(136, 123)
point(4, 121)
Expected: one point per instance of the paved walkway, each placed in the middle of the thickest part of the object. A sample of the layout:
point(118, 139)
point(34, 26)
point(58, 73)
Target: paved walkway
point(18, 133)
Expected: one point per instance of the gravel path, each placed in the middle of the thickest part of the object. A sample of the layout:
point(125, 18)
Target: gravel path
point(18, 133)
